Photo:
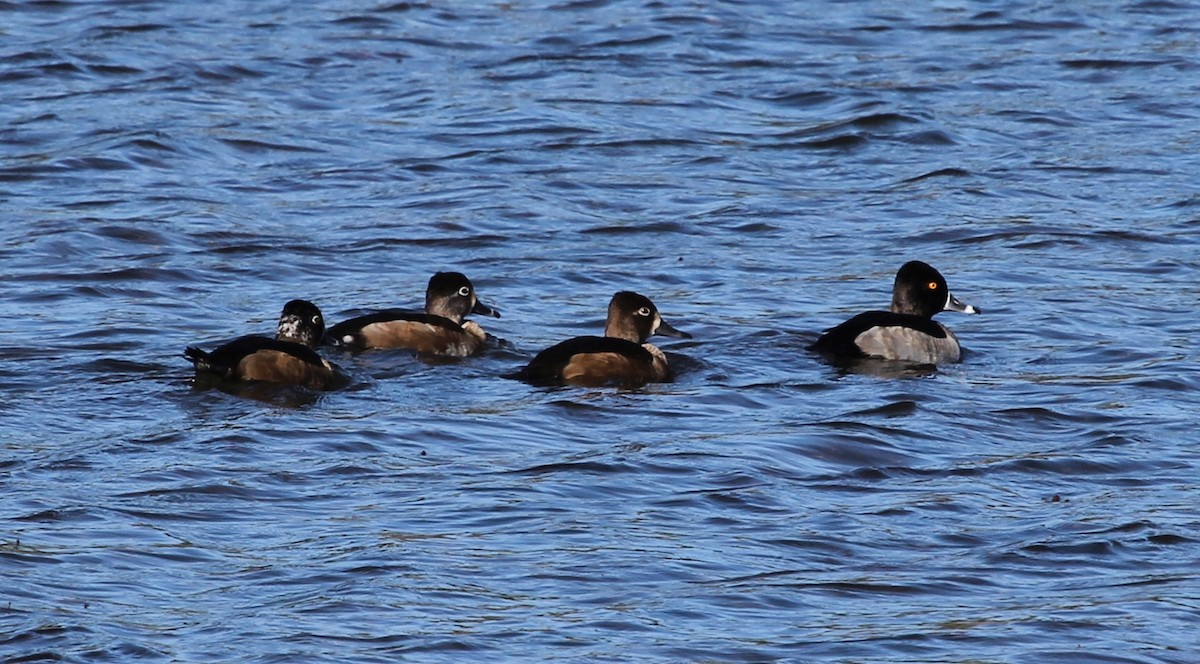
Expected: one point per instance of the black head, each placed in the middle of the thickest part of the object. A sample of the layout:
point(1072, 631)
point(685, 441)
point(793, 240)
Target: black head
point(922, 291)
point(301, 322)
point(451, 295)
point(635, 318)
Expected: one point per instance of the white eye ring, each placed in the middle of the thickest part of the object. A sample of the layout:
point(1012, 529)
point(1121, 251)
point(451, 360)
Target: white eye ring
point(644, 311)
point(316, 320)
point(464, 291)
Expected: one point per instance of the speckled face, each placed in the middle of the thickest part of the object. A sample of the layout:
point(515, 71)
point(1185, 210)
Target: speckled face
point(301, 321)
point(289, 327)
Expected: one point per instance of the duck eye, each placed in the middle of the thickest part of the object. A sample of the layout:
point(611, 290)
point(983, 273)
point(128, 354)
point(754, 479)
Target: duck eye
point(644, 311)
point(316, 320)
point(464, 291)
point(933, 285)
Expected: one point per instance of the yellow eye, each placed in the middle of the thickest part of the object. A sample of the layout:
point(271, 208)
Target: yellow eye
point(933, 285)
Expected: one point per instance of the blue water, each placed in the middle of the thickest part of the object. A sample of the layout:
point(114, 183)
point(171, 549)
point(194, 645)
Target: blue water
point(172, 173)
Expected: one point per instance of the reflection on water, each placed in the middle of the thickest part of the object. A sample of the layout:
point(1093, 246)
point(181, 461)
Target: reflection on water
point(290, 396)
point(173, 172)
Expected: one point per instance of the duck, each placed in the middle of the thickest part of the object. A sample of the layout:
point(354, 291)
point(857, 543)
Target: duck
point(621, 357)
point(439, 331)
point(288, 358)
point(907, 332)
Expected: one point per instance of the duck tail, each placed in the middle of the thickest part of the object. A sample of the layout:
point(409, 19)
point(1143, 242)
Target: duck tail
point(196, 356)
point(202, 361)
point(538, 375)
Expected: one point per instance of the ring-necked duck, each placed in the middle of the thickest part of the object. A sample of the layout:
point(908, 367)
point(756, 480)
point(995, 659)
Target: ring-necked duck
point(288, 358)
point(441, 330)
point(907, 332)
point(620, 357)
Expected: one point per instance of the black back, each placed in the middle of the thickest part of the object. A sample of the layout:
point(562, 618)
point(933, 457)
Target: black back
point(547, 367)
point(226, 357)
point(840, 340)
point(352, 326)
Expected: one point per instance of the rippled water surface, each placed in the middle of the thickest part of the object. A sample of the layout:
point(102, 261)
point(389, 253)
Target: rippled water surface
point(173, 172)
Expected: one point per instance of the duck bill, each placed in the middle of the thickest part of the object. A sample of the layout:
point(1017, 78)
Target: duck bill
point(484, 310)
point(664, 328)
point(954, 304)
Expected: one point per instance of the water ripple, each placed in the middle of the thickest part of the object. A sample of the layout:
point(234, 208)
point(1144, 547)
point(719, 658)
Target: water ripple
point(175, 172)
